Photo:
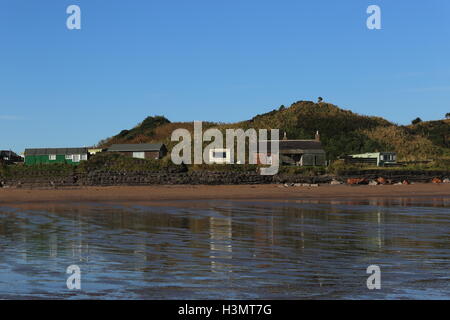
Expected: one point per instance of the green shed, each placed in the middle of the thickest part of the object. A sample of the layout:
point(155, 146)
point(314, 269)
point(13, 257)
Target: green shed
point(55, 155)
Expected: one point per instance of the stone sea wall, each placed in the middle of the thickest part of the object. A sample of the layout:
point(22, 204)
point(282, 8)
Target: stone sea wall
point(397, 175)
point(209, 178)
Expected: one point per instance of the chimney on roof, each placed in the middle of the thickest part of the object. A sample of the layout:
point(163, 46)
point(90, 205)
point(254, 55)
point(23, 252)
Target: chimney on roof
point(317, 138)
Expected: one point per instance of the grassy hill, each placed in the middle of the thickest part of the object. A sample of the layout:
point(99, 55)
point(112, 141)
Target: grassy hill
point(437, 132)
point(342, 131)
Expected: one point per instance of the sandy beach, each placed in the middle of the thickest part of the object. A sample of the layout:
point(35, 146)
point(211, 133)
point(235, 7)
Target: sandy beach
point(169, 194)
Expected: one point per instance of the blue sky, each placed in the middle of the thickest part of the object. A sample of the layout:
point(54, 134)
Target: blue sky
point(212, 60)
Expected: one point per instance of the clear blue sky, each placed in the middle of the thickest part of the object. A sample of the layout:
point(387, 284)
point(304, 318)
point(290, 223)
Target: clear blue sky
point(212, 60)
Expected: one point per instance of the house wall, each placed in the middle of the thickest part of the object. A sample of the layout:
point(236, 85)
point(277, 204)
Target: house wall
point(320, 159)
point(147, 154)
point(383, 158)
point(307, 159)
point(313, 159)
point(375, 155)
point(44, 159)
point(226, 159)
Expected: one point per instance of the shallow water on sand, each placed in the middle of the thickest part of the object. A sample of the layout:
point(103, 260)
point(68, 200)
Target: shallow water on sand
point(228, 250)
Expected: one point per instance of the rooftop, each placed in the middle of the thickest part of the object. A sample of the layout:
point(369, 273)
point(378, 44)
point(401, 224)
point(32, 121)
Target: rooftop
point(135, 147)
point(285, 145)
point(48, 151)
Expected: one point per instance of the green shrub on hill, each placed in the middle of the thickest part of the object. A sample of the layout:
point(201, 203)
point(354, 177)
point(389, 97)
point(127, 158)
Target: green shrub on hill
point(408, 146)
point(437, 132)
point(110, 161)
point(443, 163)
point(141, 133)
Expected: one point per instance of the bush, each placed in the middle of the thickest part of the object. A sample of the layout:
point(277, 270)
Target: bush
point(21, 170)
point(338, 167)
point(408, 146)
point(251, 168)
point(443, 164)
point(111, 161)
point(306, 171)
point(416, 121)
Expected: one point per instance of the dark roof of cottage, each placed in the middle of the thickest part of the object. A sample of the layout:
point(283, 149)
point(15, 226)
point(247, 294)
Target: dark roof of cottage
point(285, 145)
point(139, 147)
point(300, 144)
point(57, 151)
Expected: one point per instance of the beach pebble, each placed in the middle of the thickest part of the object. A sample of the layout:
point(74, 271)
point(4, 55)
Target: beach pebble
point(357, 181)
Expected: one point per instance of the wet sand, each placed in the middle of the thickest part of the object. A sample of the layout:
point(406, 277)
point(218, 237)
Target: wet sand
point(277, 249)
point(162, 195)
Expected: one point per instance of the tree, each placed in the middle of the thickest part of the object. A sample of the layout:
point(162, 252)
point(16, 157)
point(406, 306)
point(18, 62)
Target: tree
point(319, 99)
point(447, 115)
point(416, 121)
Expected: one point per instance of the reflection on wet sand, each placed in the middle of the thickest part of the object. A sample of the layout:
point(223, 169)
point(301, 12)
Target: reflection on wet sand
point(228, 249)
point(220, 244)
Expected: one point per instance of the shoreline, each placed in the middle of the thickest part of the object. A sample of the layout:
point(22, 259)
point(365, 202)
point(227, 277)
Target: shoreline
point(164, 194)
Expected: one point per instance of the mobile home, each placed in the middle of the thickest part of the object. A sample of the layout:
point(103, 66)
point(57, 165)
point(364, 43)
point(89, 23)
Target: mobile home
point(380, 159)
point(55, 155)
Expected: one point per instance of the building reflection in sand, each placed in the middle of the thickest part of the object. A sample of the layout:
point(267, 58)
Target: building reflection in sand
point(219, 249)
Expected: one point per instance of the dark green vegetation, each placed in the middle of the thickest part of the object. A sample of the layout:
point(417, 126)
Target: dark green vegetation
point(438, 132)
point(140, 133)
point(109, 161)
point(416, 121)
point(48, 170)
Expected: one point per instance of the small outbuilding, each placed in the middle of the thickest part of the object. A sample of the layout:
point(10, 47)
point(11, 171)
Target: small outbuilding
point(380, 159)
point(141, 150)
point(55, 155)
